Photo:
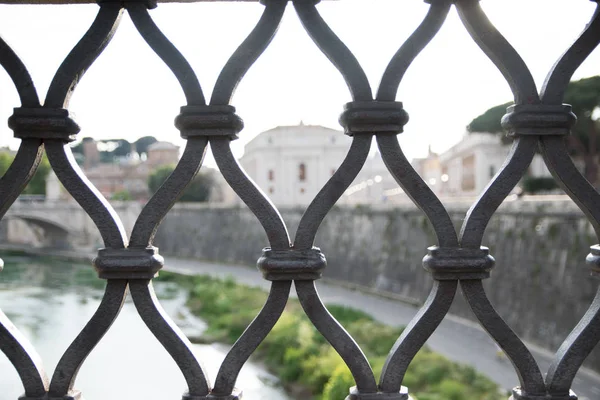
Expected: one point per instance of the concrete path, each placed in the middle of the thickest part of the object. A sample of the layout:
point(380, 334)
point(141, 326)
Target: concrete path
point(459, 340)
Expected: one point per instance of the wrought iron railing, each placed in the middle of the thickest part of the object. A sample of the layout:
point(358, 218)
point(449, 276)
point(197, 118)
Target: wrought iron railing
point(538, 120)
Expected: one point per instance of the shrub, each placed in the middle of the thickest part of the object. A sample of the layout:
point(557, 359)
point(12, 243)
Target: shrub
point(299, 354)
point(534, 185)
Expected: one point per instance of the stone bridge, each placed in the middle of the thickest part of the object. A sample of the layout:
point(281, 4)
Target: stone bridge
point(58, 224)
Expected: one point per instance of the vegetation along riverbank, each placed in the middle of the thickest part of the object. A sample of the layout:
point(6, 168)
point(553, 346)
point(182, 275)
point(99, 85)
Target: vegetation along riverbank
point(307, 365)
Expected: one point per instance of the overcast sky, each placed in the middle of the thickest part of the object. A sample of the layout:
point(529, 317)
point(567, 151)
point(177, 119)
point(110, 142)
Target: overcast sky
point(129, 92)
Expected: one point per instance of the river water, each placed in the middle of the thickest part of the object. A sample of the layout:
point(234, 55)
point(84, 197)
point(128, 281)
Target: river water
point(50, 301)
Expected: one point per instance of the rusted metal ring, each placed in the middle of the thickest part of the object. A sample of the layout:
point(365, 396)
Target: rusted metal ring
point(209, 121)
point(150, 4)
point(518, 394)
point(450, 263)
point(73, 395)
point(235, 395)
point(373, 117)
point(356, 395)
point(128, 263)
point(285, 265)
point(43, 123)
point(538, 119)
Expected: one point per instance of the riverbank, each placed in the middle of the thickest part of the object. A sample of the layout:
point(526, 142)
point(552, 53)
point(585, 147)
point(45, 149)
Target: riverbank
point(51, 300)
point(539, 247)
point(457, 339)
point(306, 364)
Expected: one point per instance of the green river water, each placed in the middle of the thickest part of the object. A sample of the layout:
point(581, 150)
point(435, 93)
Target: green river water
point(50, 301)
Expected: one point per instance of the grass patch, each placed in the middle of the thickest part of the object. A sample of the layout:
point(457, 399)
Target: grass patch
point(306, 364)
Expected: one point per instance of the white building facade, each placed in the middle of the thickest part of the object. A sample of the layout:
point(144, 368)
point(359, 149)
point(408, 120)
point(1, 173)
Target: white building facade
point(292, 163)
point(467, 167)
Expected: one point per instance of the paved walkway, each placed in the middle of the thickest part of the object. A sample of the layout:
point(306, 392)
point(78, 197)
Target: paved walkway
point(459, 340)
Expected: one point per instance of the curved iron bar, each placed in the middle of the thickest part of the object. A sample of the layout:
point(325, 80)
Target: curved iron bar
point(337, 336)
point(332, 191)
point(335, 50)
point(426, 321)
point(500, 51)
point(519, 355)
point(248, 52)
point(259, 204)
point(20, 172)
point(89, 198)
point(13, 344)
point(161, 202)
point(169, 335)
point(417, 190)
point(586, 335)
point(560, 164)
point(574, 350)
point(513, 169)
point(24, 358)
point(138, 11)
point(256, 332)
point(19, 75)
point(555, 86)
point(154, 211)
point(416, 333)
point(68, 367)
point(398, 65)
point(83, 55)
point(30, 152)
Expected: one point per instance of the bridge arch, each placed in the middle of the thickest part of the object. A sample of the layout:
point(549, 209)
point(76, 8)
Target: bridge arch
point(55, 234)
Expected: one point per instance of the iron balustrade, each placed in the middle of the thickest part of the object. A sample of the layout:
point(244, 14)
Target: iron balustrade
point(538, 120)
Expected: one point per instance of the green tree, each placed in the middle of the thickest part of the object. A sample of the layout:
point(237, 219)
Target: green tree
point(142, 144)
point(77, 147)
point(197, 191)
point(5, 160)
point(158, 176)
point(37, 184)
point(584, 96)
point(122, 195)
point(534, 185)
point(122, 147)
point(489, 121)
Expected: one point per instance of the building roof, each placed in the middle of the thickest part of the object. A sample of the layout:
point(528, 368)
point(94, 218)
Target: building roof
point(298, 128)
point(162, 146)
point(296, 133)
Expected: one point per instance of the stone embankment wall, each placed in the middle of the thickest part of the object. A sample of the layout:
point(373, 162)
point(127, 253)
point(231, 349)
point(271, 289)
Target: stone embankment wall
point(540, 285)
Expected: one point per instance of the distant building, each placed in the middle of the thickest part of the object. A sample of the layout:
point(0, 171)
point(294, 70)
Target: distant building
point(429, 168)
point(54, 189)
point(162, 153)
point(221, 192)
point(467, 167)
point(110, 179)
point(91, 155)
point(374, 185)
point(128, 174)
point(292, 163)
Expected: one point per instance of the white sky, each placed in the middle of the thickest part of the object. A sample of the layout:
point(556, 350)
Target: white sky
point(129, 92)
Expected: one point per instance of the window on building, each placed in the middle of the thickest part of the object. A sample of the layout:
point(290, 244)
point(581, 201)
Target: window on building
point(492, 171)
point(302, 190)
point(271, 175)
point(332, 171)
point(302, 172)
point(271, 190)
point(468, 173)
